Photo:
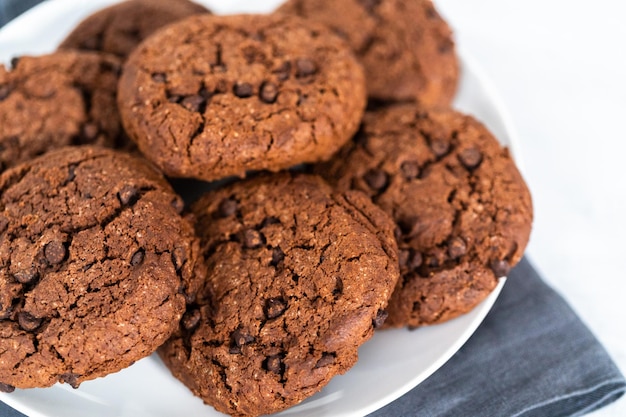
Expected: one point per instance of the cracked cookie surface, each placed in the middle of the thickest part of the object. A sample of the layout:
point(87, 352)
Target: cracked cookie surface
point(96, 266)
point(50, 101)
point(462, 208)
point(118, 29)
point(405, 47)
point(299, 277)
point(215, 96)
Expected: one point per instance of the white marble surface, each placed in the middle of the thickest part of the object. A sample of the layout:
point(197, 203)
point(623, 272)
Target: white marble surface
point(560, 69)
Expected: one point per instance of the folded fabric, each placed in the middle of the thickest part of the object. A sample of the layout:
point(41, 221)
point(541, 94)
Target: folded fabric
point(531, 356)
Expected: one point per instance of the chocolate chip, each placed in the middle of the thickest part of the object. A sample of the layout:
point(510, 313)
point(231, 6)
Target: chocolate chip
point(179, 257)
point(376, 179)
point(6, 388)
point(227, 207)
point(431, 13)
point(178, 204)
point(282, 72)
point(71, 173)
point(14, 61)
point(305, 67)
point(253, 239)
point(268, 93)
point(470, 158)
point(28, 322)
point(379, 320)
point(191, 320)
point(439, 147)
point(5, 90)
point(128, 195)
point(408, 225)
point(91, 43)
point(71, 379)
point(500, 267)
point(274, 363)
point(237, 339)
point(338, 290)
point(137, 257)
point(277, 256)
point(445, 46)
point(159, 77)
point(410, 169)
point(456, 247)
point(111, 66)
point(55, 252)
point(274, 307)
point(174, 98)
point(243, 90)
point(27, 276)
point(195, 103)
point(325, 360)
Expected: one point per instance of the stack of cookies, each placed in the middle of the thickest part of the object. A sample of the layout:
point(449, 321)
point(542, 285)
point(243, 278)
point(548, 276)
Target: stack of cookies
point(344, 197)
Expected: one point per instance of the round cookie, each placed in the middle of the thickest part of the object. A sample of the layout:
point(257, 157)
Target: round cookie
point(215, 96)
point(463, 210)
point(118, 29)
point(299, 277)
point(65, 98)
point(96, 266)
point(405, 47)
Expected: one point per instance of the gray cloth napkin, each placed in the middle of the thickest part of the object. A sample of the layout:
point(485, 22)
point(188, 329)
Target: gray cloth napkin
point(531, 357)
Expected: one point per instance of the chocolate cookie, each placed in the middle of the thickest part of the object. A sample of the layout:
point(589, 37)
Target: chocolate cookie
point(96, 266)
point(405, 47)
point(462, 208)
point(120, 28)
point(215, 96)
point(66, 98)
point(299, 277)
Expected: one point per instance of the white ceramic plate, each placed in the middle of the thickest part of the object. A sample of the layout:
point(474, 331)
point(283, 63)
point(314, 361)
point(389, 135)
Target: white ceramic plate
point(390, 364)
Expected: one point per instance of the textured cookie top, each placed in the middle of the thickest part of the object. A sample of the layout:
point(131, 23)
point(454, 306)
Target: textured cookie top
point(462, 208)
point(405, 47)
point(214, 96)
point(120, 28)
point(299, 277)
point(66, 98)
point(95, 265)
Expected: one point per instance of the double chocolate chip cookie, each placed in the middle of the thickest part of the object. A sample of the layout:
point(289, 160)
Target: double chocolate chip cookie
point(462, 209)
point(120, 28)
point(299, 278)
point(96, 266)
point(215, 96)
point(66, 98)
point(405, 47)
